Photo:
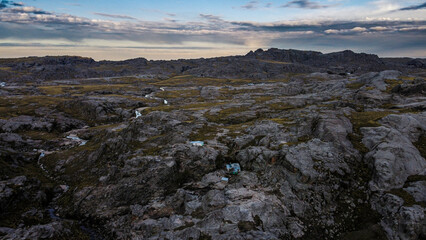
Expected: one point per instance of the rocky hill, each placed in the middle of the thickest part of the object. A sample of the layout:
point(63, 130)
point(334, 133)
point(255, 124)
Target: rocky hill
point(330, 146)
point(271, 64)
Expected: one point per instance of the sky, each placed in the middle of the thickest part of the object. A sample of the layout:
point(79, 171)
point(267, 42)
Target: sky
point(165, 29)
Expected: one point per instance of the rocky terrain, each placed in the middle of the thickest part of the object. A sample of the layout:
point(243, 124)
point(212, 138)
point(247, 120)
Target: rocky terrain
point(331, 146)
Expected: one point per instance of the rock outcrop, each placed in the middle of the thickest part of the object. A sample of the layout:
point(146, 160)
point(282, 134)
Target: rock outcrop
point(329, 146)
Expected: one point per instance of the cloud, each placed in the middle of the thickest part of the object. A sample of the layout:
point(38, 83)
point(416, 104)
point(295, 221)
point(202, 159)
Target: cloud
point(18, 4)
point(32, 10)
point(211, 18)
point(170, 20)
point(32, 25)
point(304, 4)
point(417, 28)
point(74, 4)
point(114, 16)
point(5, 3)
point(76, 29)
point(358, 29)
point(380, 28)
point(315, 26)
point(332, 31)
point(415, 7)
point(211, 26)
point(250, 5)
point(352, 30)
point(156, 11)
point(13, 44)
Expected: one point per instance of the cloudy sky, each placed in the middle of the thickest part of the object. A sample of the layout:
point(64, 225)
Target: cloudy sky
point(165, 29)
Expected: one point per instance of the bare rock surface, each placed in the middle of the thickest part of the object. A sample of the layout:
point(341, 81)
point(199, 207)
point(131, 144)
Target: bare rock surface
point(388, 147)
point(330, 146)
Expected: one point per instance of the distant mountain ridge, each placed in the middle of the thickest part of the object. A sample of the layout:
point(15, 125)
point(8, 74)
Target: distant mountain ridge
point(259, 64)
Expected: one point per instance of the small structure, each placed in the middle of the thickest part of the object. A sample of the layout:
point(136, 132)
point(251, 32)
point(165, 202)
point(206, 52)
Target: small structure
point(197, 143)
point(225, 179)
point(165, 102)
point(138, 114)
point(162, 89)
point(234, 168)
point(2, 84)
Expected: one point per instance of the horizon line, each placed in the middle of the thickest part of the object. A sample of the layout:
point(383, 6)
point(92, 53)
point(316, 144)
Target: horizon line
point(195, 58)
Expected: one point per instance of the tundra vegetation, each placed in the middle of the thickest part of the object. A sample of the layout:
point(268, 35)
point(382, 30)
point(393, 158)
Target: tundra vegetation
point(331, 146)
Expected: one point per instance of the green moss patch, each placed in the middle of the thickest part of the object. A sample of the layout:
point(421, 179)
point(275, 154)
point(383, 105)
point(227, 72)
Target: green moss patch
point(26, 105)
point(280, 106)
point(407, 78)
point(161, 108)
point(39, 135)
point(187, 225)
point(85, 89)
point(367, 119)
point(189, 80)
point(198, 213)
point(75, 169)
point(222, 116)
point(355, 85)
point(230, 93)
point(364, 119)
point(238, 129)
point(421, 145)
point(301, 139)
point(263, 99)
point(245, 226)
point(202, 105)
point(356, 140)
point(392, 83)
point(408, 199)
point(205, 133)
point(415, 178)
point(275, 62)
point(282, 121)
point(178, 94)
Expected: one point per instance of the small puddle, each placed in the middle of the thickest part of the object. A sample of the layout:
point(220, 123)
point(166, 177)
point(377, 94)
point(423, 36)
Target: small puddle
point(52, 214)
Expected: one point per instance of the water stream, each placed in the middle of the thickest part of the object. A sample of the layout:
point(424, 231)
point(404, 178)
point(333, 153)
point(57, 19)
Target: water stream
point(93, 235)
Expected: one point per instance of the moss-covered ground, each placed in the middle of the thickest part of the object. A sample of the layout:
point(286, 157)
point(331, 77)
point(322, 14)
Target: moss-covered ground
point(237, 105)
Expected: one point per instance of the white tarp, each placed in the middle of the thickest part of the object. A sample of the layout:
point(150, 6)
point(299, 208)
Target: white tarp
point(197, 143)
